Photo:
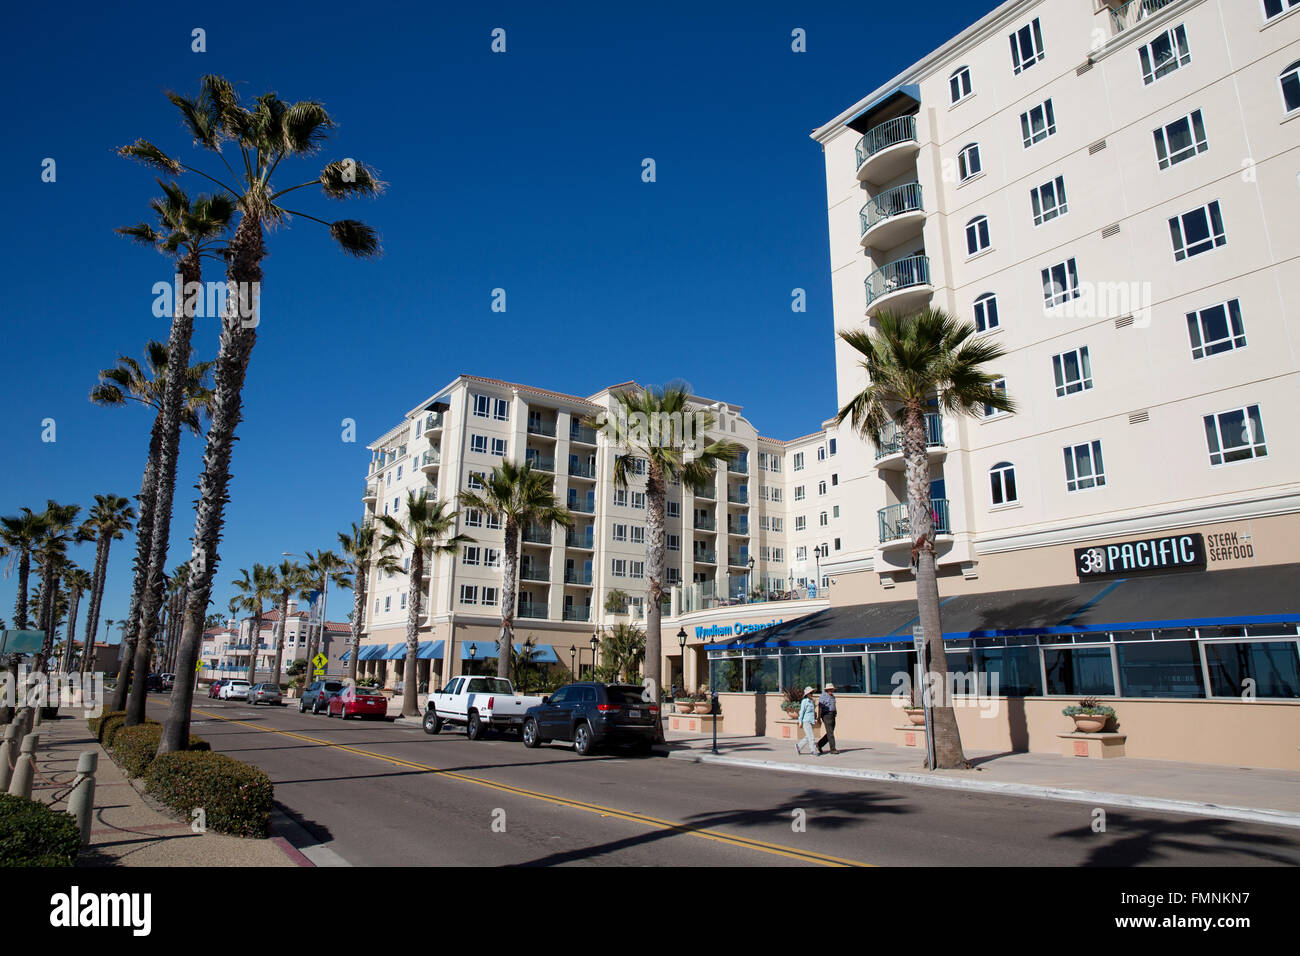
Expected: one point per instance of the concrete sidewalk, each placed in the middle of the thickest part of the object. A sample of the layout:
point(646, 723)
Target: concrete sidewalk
point(1235, 793)
point(126, 830)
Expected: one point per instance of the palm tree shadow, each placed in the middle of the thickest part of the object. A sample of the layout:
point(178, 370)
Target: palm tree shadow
point(1144, 841)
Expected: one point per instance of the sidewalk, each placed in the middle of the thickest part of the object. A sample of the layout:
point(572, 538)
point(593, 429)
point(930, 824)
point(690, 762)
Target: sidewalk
point(1235, 793)
point(126, 830)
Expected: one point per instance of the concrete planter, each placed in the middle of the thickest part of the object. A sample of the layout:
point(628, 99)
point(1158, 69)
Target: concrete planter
point(703, 706)
point(916, 715)
point(1089, 723)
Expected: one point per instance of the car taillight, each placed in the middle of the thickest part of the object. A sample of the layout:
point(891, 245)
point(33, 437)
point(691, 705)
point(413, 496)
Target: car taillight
point(653, 708)
point(606, 707)
point(490, 699)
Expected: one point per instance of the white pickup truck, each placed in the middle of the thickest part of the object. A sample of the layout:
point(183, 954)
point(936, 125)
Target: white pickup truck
point(477, 703)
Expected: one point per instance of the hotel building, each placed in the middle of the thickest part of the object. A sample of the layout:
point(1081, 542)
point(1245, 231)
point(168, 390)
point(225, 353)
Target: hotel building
point(225, 650)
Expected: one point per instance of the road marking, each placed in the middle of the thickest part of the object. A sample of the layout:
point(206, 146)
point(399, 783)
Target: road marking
point(775, 849)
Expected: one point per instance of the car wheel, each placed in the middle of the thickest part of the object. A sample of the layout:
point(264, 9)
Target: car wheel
point(473, 726)
point(343, 711)
point(582, 742)
point(531, 738)
point(315, 706)
point(432, 722)
point(302, 706)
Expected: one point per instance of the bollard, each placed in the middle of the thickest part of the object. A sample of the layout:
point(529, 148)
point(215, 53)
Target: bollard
point(81, 802)
point(36, 717)
point(8, 754)
point(21, 784)
point(24, 720)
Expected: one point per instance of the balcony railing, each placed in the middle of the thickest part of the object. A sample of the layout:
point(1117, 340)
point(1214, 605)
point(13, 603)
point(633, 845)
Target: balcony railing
point(1134, 12)
point(582, 433)
point(534, 535)
point(890, 203)
point(891, 436)
point(541, 462)
point(574, 613)
point(432, 421)
point(575, 540)
point(899, 274)
point(738, 560)
point(706, 557)
point(532, 609)
point(739, 467)
point(584, 507)
point(901, 129)
point(705, 524)
point(430, 459)
point(531, 573)
point(372, 489)
point(741, 527)
point(895, 524)
point(738, 497)
point(582, 469)
point(706, 492)
point(575, 576)
point(536, 427)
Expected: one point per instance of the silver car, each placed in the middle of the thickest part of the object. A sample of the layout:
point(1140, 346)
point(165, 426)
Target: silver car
point(264, 694)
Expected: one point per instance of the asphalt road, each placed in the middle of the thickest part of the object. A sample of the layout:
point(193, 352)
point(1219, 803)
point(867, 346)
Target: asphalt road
point(373, 793)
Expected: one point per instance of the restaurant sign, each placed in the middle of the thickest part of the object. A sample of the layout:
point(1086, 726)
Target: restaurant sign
point(1178, 552)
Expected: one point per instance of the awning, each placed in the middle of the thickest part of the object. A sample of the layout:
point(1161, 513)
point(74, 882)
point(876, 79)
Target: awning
point(863, 120)
point(430, 650)
point(372, 652)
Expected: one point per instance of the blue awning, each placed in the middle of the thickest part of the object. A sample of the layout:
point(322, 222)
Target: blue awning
point(372, 652)
point(396, 652)
point(430, 650)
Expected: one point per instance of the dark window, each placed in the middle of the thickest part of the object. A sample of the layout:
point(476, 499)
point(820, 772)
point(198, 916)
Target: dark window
point(800, 671)
point(885, 667)
point(726, 676)
point(761, 674)
point(1079, 670)
point(1016, 670)
point(1160, 669)
point(630, 696)
point(1272, 665)
point(847, 674)
point(588, 695)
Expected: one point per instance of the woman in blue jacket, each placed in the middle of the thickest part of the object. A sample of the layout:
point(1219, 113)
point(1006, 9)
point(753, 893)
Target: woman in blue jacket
point(807, 717)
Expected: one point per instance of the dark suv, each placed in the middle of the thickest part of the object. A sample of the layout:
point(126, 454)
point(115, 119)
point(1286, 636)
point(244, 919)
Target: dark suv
point(317, 696)
point(592, 714)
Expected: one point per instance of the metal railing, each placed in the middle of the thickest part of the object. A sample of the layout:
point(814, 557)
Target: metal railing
point(532, 609)
point(901, 129)
point(899, 274)
point(890, 203)
point(705, 524)
point(372, 489)
point(541, 462)
point(891, 436)
point(536, 427)
point(1134, 12)
point(432, 421)
point(738, 497)
point(582, 469)
point(574, 613)
point(583, 433)
point(895, 525)
point(430, 458)
point(533, 535)
point(574, 540)
point(741, 527)
point(530, 573)
point(739, 467)
point(574, 576)
point(582, 506)
point(706, 557)
point(738, 560)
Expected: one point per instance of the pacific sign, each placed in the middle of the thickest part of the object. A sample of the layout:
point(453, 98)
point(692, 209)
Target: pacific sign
point(1178, 552)
point(722, 630)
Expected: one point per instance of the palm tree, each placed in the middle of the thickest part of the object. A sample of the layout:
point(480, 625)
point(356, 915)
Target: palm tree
point(21, 533)
point(77, 581)
point(254, 591)
point(109, 520)
point(288, 579)
point(186, 233)
point(60, 530)
point(670, 455)
point(360, 549)
point(322, 568)
point(623, 650)
point(426, 533)
point(263, 135)
point(128, 381)
point(520, 497)
point(913, 363)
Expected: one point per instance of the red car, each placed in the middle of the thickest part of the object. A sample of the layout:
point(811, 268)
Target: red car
point(214, 689)
point(358, 702)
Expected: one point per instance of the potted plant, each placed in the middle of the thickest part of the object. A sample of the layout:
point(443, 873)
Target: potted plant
point(703, 703)
point(1089, 716)
point(684, 703)
point(915, 710)
point(792, 697)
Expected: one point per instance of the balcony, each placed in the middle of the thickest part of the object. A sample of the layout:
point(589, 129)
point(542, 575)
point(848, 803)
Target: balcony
point(544, 428)
point(430, 461)
point(739, 527)
point(576, 576)
point(892, 217)
point(705, 557)
point(902, 285)
point(529, 572)
point(372, 492)
point(739, 467)
point(705, 524)
point(738, 497)
point(534, 535)
point(708, 493)
point(738, 560)
point(584, 434)
point(540, 462)
point(885, 151)
point(432, 422)
point(895, 527)
point(889, 452)
point(586, 541)
point(582, 469)
point(582, 506)
point(1134, 12)
point(532, 609)
point(573, 612)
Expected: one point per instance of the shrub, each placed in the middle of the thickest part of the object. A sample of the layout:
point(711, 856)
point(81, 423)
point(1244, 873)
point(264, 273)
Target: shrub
point(31, 834)
point(1090, 707)
point(116, 722)
point(235, 797)
point(135, 747)
point(96, 724)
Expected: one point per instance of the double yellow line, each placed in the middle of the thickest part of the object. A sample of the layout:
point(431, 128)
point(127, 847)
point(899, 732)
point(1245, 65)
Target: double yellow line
point(775, 849)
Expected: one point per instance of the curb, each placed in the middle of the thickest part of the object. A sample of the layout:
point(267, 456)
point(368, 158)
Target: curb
point(1281, 818)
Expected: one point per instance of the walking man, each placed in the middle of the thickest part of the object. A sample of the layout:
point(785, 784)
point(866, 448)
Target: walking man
point(807, 717)
point(826, 707)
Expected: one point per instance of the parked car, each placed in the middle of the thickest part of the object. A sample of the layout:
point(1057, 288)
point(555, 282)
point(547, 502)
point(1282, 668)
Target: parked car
point(353, 701)
point(153, 682)
point(168, 681)
point(591, 715)
point(235, 689)
point(477, 703)
point(264, 694)
point(317, 696)
point(214, 689)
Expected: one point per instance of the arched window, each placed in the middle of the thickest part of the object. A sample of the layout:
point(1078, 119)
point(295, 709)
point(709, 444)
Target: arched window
point(959, 84)
point(986, 312)
point(977, 235)
point(1002, 483)
point(968, 161)
point(1290, 80)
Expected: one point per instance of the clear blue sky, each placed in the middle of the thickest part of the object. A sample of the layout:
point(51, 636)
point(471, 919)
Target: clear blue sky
point(519, 170)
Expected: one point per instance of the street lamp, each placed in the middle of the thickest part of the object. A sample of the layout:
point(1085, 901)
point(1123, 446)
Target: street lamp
point(595, 643)
point(573, 660)
point(749, 585)
point(528, 660)
point(681, 643)
point(713, 701)
point(473, 650)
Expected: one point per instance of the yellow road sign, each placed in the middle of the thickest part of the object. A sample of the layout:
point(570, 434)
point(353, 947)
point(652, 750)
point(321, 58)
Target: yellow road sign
point(320, 660)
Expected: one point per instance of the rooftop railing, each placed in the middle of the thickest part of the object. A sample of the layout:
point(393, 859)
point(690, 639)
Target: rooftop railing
point(1134, 12)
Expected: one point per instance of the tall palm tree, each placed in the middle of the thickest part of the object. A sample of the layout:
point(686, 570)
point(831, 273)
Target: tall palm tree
point(425, 533)
point(60, 530)
point(288, 578)
point(255, 590)
point(360, 548)
point(21, 533)
point(913, 363)
point(669, 455)
point(622, 648)
point(322, 568)
point(263, 134)
point(126, 382)
point(520, 497)
point(109, 519)
point(77, 581)
point(186, 233)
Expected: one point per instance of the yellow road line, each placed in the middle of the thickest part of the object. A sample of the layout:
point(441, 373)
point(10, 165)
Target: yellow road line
point(748, 843)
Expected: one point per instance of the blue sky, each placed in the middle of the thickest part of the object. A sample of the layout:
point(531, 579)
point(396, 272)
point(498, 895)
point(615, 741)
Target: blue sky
point(519, 171)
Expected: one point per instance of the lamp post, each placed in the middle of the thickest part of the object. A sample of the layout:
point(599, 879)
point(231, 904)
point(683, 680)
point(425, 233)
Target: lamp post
point(713, 700)
point(528, 660)
point(818, 552)
point(749, 581)
point(681, 643)
point(573, 660)
point(473, 650)
point(595, 643)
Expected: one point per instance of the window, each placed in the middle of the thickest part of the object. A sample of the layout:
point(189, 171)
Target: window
point(821, 487)
point(636, 569)
point(673, 542)
point(959, 84)
point(388, 606)
point(482, 406)
point(674, 509)
point(774, 464)
point(821, 452)
point(1216, 329)
point(469, 594)
point(1083, 468)
point(977, 235)
point(801, 553)
point(1038, 123)
point(837, 544)
point(1290, 81)
point(1166, 53)
point(1048, 201)
point(399, 472)
point(835, 479)
point(765, 553)
point(501, 410)
point(499, 447)
point(799, 492)
point(776, 494)
point(1026, 46)
point(494, 522)
point(473, 518)
point(619, 567)
point(822, 519)
point(402, 603)
point(1159, 669)
point(475, 481)
point(490, 596)
point(831, 445)
point(998, 385)
point(1197, 231)
point(638, 499)
point(1002, 483)
point(968, 162)
point(638, 534)
point(1270, 665)
point(1237, 435)
point(471, 555)
point(620, 497)
point(1181, 139)
point(798, 461)
point(778, 554)
point(620, 532)
point(492, 557)
point(764, 523)
point(835, 511)
point(1073, 372)
point(478, 444)
point(800, 523)
point(1274, 8)
point(1060, 283)
point(778, 524)
point(986, 312)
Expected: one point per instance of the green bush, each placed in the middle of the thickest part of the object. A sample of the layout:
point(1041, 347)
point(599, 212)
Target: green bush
point(235, 797)
point(135, 747)
point(116, 722)
point(31, 834)
point(97, 723)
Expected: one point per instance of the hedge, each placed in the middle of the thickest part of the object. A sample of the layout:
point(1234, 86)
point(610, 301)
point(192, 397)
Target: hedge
point(134, 748)
point(31, 834)
point(235, 797)
point(105, 728)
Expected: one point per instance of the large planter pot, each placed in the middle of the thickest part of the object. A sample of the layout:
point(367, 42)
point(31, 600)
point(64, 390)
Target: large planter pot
point(916, 715)
point(1089, 723)
point(684, 706)
point(703, 706)
point(791, 714)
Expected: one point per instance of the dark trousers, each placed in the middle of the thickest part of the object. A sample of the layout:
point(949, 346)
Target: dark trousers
point(828, 721)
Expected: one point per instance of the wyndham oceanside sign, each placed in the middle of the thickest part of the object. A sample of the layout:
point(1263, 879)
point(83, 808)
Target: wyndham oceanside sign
point(733, 630)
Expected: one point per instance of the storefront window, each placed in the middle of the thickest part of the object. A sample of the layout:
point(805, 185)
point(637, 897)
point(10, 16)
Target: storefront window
point(1272, 666)
point(726, 676)
point(1080, 671)
point(886, 665)
point(762, 674)
point(1160, 669)
point(801, 671)
point(847, 674)
point(1015, 669)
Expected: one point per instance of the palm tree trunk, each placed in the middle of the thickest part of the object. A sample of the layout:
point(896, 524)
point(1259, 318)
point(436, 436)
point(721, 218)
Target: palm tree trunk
point(655, 493)
point(411, 672)
point(20, 601)
point(948, 753)
point(143, 541)
point(361, 579)
point(49, 599)
point(74, 600)
point(244, 253)
point(509, 592)
point(279, 639)
point(97, 577)
point(254, 644)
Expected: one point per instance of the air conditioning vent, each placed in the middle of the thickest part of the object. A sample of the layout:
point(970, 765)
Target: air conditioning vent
point(1096, 147)
point(1123, 322)
point(1137, 418)
point(1111, 230)
point(1083, 68)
